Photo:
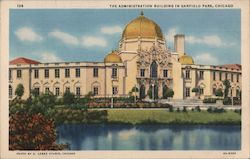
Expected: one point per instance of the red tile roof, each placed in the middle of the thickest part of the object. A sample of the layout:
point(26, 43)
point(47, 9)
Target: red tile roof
point(232, 66)
point(22, 60)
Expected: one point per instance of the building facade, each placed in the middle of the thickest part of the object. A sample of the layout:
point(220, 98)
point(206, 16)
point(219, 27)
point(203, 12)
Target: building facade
point(142, 60)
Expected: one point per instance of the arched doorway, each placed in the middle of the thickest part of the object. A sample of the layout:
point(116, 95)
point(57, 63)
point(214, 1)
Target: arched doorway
point(142, 92)
point(153, 69)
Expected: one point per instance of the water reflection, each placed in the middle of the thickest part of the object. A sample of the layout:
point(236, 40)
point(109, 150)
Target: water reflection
point(149, 137)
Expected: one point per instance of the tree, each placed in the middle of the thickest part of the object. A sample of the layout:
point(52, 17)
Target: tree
point(169, 92)
point(19, 90)
point(227, 85)
point(218, 92)
point(195, 89)
point(135, 89)
point(68, 98)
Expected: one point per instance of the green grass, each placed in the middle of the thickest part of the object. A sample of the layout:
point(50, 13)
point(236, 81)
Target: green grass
point(165, 117)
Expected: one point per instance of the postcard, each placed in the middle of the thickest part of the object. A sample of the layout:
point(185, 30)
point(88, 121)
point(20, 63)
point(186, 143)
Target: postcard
point(125, 79)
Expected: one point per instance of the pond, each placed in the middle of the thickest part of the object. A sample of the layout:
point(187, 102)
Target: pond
point(149, 137)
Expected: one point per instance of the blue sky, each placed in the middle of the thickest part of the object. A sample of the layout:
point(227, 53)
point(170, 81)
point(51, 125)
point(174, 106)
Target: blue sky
point(50, 35)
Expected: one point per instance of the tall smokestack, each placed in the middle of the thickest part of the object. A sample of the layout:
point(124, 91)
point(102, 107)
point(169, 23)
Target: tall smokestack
point(179, 44)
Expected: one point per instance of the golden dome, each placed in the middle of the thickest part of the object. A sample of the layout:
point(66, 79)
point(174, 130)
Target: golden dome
point(142, 27)
point(113, 57)
point(186, 60)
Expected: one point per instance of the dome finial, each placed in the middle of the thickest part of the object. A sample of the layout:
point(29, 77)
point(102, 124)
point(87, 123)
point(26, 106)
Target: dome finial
point(142, 13)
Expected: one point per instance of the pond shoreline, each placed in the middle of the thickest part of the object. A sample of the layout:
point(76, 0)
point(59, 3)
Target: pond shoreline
point(146, 117)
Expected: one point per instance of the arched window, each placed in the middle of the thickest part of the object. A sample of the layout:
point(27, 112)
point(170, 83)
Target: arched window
point(142, 92)
point(153, 69)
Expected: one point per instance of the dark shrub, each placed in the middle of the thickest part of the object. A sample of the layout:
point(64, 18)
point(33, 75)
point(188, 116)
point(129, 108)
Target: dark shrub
point(209, 100)
point(184, 109)
point(178, 110)
point(218, 110)
point(197, 108)
point(171, 108)
point(237, 111)
point(227, 101)
point(210, 110)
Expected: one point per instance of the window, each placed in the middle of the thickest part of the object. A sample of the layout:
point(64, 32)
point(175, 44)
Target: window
point(10, 74)
point(67, 89)
point(201, 91)
point(226, 76)
point(95, 91)
point(114, 72)
point(153, 69)
point(115, 90)
point(19, 73)
point(57, 91)
point(10, 92)
point(57, 73)
point(237, 77)
point(78, 91)
point(165, 73)
point(232, 77)
point(214, 75)
point(46, 73)
point(36, 74)
point(95, 72)
point(47, 90)
point(37, 91)
point(78, 73)
point(187, 74)
point(220, 75)
point(187, 92)
point(142, 72)
point(201, 74)
point(67, 73)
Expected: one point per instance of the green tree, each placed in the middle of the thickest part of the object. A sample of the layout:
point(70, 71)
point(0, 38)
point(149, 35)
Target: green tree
point(227, 85)
point(68, 98)
point(19, 90)
point(167, 92)
point(218, 92)
point(135, 89)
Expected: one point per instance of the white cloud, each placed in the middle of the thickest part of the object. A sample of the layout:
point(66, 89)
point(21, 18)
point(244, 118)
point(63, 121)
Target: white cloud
point(171, 33)
point(91, 41)
point(27, 34)
point(64, 37)
point(206, 59)
point(111, 30)
point(211, 40)
point(49, 57)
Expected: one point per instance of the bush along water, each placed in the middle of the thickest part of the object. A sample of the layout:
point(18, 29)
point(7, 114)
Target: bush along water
point(31, 126)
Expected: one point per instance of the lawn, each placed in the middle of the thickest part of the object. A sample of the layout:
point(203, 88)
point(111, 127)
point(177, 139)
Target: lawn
point(166, 117)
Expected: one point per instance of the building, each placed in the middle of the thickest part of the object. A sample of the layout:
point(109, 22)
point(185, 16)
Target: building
point(141, 60)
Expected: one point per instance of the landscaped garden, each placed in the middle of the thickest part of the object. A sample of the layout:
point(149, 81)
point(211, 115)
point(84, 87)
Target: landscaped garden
point(33, 121)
